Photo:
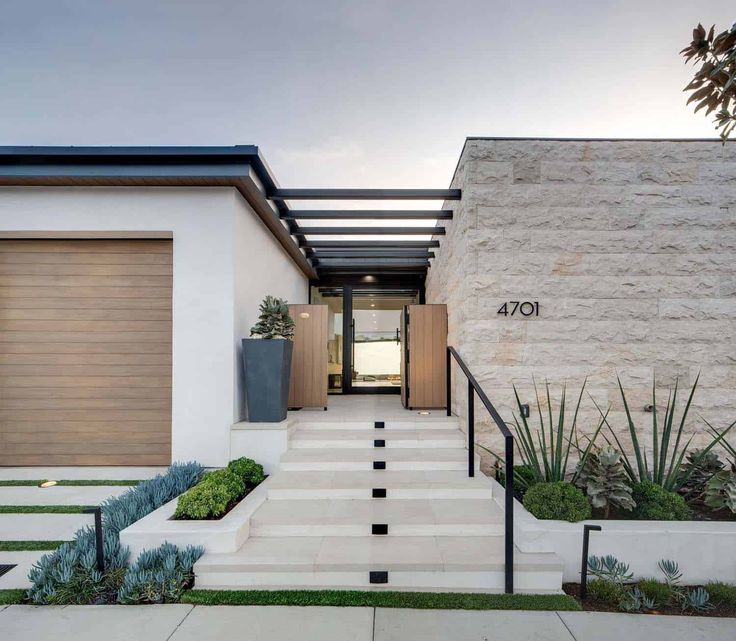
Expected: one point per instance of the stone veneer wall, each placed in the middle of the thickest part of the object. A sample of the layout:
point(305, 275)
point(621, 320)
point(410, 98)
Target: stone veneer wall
point(629, 247)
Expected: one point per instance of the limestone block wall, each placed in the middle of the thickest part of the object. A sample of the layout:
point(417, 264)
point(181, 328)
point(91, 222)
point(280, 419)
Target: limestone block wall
point(629, 248)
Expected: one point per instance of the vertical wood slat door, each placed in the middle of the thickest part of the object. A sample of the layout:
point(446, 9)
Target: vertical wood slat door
point(85, 352)
point(308, 385)
point(427, 356)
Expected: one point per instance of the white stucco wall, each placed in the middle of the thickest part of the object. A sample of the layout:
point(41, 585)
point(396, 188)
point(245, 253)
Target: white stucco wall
point(219, 246)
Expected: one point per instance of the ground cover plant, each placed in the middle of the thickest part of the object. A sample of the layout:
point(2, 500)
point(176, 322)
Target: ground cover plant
point(69, 575)
point(613, 588)
point(218, 492)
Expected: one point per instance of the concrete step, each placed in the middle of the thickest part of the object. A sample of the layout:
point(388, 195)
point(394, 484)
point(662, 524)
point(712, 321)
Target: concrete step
point(438, 421)
point(347, 459)
point(360, 485)
point(462, 563)
point(419, 517)
point(365, 438)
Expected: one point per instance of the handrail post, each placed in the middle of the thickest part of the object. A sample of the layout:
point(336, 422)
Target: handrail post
point(449, 382)
point(509, 514)
point(471, 429)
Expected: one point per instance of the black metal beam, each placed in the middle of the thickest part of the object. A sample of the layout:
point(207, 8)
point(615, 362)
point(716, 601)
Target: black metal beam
point(368, 214)
point(368, 244)
point(374, 263)
point(365, 194)
point(376, 271)
point(374, 231)
point(369, 253)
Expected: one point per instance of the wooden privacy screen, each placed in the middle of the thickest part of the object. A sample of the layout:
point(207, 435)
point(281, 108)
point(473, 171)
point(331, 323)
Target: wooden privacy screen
point(426, 340)
point(85, 352)
point(308, 387)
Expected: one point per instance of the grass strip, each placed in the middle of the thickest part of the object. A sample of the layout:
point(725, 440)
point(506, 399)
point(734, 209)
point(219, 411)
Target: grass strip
point(415, 600)
point(69, 483)
point(42, 509)
point(29, 546)
point(11, 597)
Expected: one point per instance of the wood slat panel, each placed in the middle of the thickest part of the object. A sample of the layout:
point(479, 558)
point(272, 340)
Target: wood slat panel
point(85, 352)
point(427, 354)
point(308, 383)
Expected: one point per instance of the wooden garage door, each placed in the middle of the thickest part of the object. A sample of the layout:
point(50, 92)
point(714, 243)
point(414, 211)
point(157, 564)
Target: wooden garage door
point(85, 352)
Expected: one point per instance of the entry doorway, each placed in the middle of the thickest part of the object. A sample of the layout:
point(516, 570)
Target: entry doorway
point(364, 337)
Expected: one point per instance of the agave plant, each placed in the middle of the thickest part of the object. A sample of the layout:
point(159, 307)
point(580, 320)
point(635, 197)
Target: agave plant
point(604, 480)
point(545, 450)
point(669, 446)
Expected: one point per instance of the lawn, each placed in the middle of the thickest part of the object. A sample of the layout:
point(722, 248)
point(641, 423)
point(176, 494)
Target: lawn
point(71, 483)
point(28, 546)
point(415, 600)
point(42, 509)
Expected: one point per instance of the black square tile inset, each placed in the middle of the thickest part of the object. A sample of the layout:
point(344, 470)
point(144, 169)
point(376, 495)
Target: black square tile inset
point(378, 577)
point(379, 425)
point(379, 492)
point(379, 442)
point(379, 465)
point(379, 528)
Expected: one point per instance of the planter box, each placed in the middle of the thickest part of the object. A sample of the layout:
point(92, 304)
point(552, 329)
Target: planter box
point(224, 535)
point(267, 364)
point(703, 549)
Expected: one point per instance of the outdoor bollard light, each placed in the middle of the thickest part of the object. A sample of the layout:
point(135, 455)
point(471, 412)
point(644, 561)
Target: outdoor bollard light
point(97, 511)
point(584, 565)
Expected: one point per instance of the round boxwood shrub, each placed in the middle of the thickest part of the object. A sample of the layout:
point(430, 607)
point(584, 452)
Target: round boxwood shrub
point(248, 470)
point(559, 500)
point(654, 503)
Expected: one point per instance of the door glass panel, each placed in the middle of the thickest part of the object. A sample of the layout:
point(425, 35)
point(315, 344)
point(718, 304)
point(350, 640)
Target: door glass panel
point(332, 297)
point(376, 339)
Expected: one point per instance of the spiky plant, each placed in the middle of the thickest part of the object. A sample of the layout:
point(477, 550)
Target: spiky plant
point(274, 320)
point(720, 491)
point(668, 445)
point(604, 480)
point(545, 449)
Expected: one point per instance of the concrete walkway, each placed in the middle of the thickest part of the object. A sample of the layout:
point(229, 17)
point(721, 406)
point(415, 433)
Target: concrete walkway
point(188, 623)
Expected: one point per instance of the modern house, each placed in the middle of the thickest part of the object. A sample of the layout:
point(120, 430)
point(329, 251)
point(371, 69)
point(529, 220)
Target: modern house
point(128, 277)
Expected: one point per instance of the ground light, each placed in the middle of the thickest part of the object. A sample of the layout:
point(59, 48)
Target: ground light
point(424, 413)
point(47, 484)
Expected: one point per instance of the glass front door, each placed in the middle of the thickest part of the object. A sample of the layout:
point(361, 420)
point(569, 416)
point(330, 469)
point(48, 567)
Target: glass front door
point(364, 339)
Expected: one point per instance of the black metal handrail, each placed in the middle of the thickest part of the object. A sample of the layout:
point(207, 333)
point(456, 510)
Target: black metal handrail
point(508, 438)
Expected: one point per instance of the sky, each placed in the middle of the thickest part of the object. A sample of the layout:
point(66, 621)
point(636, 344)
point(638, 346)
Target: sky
point(357, 93)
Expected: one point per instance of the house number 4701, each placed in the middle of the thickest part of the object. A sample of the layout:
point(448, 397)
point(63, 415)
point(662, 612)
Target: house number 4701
point(525, 308)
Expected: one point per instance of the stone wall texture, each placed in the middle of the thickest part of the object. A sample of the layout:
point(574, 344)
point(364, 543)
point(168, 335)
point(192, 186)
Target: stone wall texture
point(630, 249)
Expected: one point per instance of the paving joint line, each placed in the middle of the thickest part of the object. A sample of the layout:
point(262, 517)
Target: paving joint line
point(178, 625)
point(566, 626)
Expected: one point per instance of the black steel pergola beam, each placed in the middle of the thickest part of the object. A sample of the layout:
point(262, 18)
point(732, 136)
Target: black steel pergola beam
point(368, 244)
point(369, 253)
point(370, 231)
point(364, 194)
point(372, 262)
point(367, 214)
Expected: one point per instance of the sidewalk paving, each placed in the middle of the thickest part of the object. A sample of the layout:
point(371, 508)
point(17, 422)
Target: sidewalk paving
point(272, 623)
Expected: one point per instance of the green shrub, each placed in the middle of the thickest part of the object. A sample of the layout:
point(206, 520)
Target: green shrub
point(657, 591)
point(211, 497)
point(248, 470)
point(654, 503)
point(558, 500)
point(722, 593)
point(606, 591)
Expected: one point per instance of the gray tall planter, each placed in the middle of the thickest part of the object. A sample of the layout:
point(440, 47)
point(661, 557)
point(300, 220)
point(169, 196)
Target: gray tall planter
point(267, 364)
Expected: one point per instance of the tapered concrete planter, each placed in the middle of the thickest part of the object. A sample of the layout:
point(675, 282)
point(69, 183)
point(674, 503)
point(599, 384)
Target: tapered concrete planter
point(267, 371)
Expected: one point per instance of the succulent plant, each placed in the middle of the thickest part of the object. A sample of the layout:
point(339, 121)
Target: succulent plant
point(720, 491)
point(697, 471)
point(604, 479)
point(274, 320)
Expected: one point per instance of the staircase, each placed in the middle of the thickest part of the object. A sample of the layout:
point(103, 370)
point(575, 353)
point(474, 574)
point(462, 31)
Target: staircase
point(389, 505)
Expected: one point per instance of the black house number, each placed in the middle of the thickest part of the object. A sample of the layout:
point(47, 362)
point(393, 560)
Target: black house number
point(525, 308)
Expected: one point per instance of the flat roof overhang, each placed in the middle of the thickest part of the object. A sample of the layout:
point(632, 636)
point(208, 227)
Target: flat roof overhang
point(243, 168)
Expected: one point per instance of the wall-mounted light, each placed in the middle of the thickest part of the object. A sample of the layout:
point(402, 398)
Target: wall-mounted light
point(525, 412)
point(47, 484)
point(304, 315)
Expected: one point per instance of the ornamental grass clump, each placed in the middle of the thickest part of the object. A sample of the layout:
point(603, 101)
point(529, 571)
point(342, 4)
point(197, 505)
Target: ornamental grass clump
point(604, 480)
